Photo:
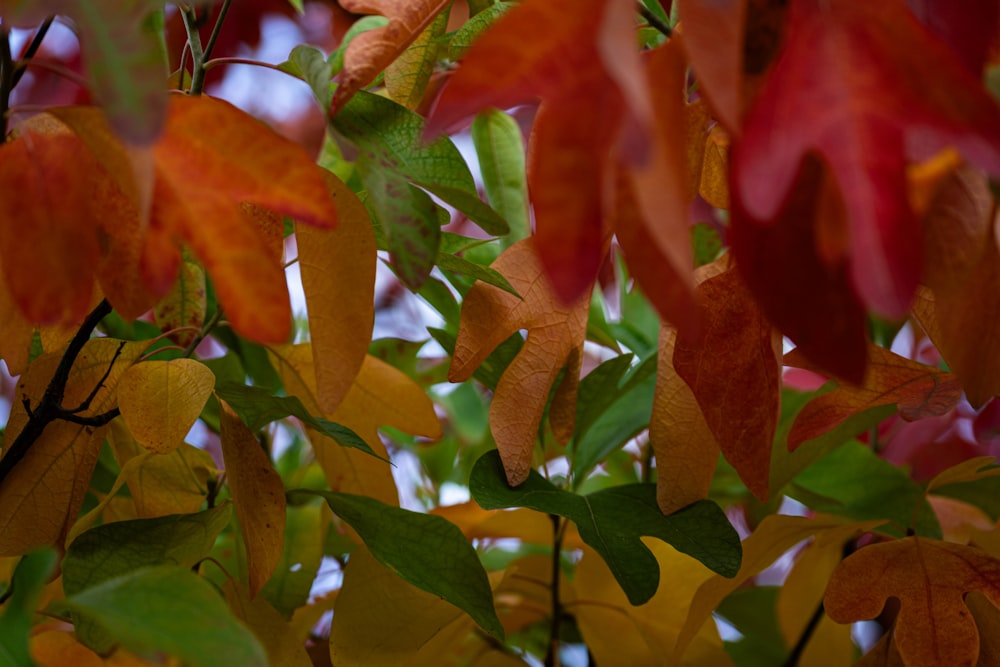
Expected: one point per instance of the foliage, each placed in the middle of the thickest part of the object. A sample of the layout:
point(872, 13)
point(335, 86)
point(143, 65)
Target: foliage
point(715, 335)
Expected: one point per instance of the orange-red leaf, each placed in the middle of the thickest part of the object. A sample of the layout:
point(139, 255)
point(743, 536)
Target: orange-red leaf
point(371, 52)
point(930, 579)
point(919, 390)
point(555, 339)
point(259, 496)
point(870, 111)
point(732, 365)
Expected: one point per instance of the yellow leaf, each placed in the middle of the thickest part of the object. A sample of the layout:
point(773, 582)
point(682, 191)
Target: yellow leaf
point(185, 304)
point(686, 451)
point(259, 496)
point(714, 186)
point(381, 620)
point(407, 77)
point(619, 634)
point(775, 535)
point(40, 498)
point(959, 520)
point(338, 278)
point(380, 396)
point(555, 340)
point(88, 520)
point(59, 648)
point(161, 400)
point(284, 649)
point(800, 596)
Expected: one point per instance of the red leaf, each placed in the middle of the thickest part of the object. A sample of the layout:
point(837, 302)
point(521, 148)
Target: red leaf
point(888, 91)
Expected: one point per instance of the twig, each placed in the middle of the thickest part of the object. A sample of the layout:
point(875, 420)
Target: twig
point(655, 21)
point(214, 37)
point(32, 48)
point(215, 62)
point(49, 408)
point(552, 653)
point(800, 646)
point(6, 75)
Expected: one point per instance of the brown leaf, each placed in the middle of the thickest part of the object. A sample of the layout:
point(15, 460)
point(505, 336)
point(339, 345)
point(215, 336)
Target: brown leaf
point(930, 579)
point(919, 390)
point(259, 496)
point(555, 340)
point(371, 52)
point(732, 365)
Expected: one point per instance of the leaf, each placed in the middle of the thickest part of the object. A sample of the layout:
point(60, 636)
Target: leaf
point(772, 537)
point(28, 579)
point(309, 63)
point(462, 266)
point(338, 278)
point(929, 578)
point(918, 390)
point(555, 339)
point(283, 648)
point(259, 496)
point(731, 363)
point(685, 449)
point(289, 587)
point(866, 145)
point(257, 408)
point(406, 78)
point(380, 620)
point(161, 400)
point(500, 148)
point(371, 52)
point(618, 633)
point(425, 550)
point(184, 305)
point(40, 500)
point(114, 549)
point(611, 521)
point(234, 160)
point(172, 610)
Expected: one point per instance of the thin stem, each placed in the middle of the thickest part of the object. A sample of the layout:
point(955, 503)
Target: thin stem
point(197, 54)
point(552, 654)
point(203, 334)
point(655, 21)
point(6, 75)
point(800, 646)
point(32, 48)
point(215, 62)
point(214, 37)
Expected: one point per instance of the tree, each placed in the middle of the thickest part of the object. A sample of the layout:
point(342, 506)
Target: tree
point(746, 255)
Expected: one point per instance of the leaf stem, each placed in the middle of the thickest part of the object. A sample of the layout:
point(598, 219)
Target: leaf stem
point(6, 75)
point(190, 17)
point(655, 21)
point(215, 62)
point(552, 654)
point(216, 29)
point(32, 48)
point(800, 646)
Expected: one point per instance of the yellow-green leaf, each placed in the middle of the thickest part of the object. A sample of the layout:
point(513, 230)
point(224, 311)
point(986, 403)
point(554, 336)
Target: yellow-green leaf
point(161, 400)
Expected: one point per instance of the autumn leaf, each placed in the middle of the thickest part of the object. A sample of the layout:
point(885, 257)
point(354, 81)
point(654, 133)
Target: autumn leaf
point(731, 363)
point(338, 279)
point(407, 77)
point(40, 500)
point(282, 646)
point(161, 400)
point(210, 159)
point(919, 390)
point(685, 449)
point(877, 53)
point(181, 312)
point(259, 496)
point(555, 340)
point(371, 52)
point(930, 579)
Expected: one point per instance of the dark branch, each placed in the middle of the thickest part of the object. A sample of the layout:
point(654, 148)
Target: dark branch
point(655, 21)
point(100, 383)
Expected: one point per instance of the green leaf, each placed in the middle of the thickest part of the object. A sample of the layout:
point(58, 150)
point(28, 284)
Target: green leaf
point(389, 138)
point(611, 521)
point(853, 481)
point(500, 148)
point(474, 27)
point(169, 609)
point(113, 549)
point(753, 611)
point(983, 493)
point(426, 550)
point(257, 407)
point(18, 614)
point(309, 64)
point(410, 219)
point(460, 265)
point(609, 414)
point(290, 585)
point(707, 243)
point(492, 368)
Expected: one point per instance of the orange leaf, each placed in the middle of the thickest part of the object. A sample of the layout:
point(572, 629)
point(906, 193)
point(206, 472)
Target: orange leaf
point(40, 499)
point(259, 496)
point(686, 451)
point(210, 161)
point(732, 365)
point(930, 579)
point(919, 390)
point(371, 52)
point(555, 339)
point(338, 278)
